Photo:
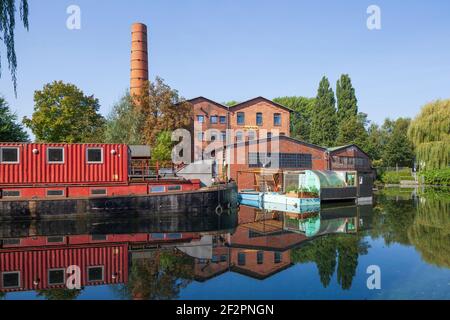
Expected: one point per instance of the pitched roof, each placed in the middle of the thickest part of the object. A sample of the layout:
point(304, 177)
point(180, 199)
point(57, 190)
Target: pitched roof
point(334, 149)
point(257, 99)
point(201, 98)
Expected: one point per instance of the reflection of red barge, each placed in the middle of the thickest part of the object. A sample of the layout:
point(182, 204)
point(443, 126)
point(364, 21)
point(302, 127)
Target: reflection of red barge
point(57, 171)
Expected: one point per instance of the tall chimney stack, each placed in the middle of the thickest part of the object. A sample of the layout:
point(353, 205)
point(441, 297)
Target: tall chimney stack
point(139, 58)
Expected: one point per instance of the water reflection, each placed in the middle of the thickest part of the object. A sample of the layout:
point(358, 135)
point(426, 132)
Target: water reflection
point(161, 256)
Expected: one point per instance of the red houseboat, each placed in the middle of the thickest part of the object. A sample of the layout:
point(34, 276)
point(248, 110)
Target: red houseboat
point(32, 171)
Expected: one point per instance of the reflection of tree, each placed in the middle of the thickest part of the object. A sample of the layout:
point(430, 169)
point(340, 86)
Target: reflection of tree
point(160, 277)
point(59, 294)
point(323, 252)
point(430, 232)
point(2, 295)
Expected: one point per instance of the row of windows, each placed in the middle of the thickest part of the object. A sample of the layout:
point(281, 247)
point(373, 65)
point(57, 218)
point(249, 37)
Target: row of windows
point(351, 161)
point(277, 258)
point(280, 160)
point(259, 119)
point(11, 280)
point(240, 119)
point(201, 136)
point(50, 193)
point(55, 155)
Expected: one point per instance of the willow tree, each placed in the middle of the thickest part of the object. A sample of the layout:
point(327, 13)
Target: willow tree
point(430, 134)
point(7, 25)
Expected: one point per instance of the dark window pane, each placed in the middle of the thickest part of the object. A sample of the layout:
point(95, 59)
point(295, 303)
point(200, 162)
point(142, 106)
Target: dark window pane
point(98, 237)
point(285, 160)
point(174, 188)
point(98, 192)
point(259, 119)
point(277, 257)
point(277, 119)
point(223, 119)
point(240, 118)
point(55, 193)
point(214, 119)
point(55, 155)
point(10, 193)
point(260, 257)
point(241, 259)
point(95, 274)
point(94, 155)
point(10, 155)
point(56, 276)
point(200, 119)
point(55, 239)
point(11, 280)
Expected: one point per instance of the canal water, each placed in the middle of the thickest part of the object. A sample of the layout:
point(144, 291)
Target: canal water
point(396, 248)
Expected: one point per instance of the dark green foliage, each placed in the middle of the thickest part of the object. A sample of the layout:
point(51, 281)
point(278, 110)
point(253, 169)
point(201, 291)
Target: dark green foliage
point(398, 150)
point(394, 177)
point(436, 177)
point(301, 117)
point(352, 131)
point(7, 25)
point(324, 119)
point(374, 146)
point(10, 130)
point(347, 104)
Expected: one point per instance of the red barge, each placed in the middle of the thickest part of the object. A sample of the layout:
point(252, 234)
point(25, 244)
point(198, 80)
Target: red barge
point(71, 178)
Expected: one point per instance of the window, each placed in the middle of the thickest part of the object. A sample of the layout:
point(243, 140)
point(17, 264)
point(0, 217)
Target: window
point(239, 136)
point(158, 236)
point(55, 155)
point(260, 257)
point(99, 237)
point(259, 119)
point(174, 188)
point(277, 257)
point(94, 155)
point(95, 274)
point(10, 193)
point(277, 119)
point(241, 118)
point(56, 276)
point(11, 242)
point(9, 155)
point(11, 280)
point(98, 192)
point(214, 119)
point(285, 160)
point(223, 119)
point(223, 258)
point(157, 189)
point(200, 118)
point(55, 239)
point(241, 259)
point(55, 193)
point(174, 236)
point(251, 135)
point(200, 136)
point(224, 135)
point(269, 135)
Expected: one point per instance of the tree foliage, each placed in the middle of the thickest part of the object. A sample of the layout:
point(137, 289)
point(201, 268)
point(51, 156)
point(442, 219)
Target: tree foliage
point(347, 104)
point(124, 124)
point(163, 110)
point(352, 131)
point(8, 10)
point(62, 113)
point(324, 120)
point(301, 117)
point(162, 151)
point(398, 150)
point(10, 129)
point(430, 134)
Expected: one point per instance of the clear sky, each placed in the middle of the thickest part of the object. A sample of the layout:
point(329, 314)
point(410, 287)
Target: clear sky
point(236, 50)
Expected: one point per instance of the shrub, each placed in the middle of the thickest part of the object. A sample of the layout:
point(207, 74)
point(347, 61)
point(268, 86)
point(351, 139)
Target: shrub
point(437, 177)
point(394, 177)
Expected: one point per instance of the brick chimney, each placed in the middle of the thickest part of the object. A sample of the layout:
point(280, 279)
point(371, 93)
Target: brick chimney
point(139, 58)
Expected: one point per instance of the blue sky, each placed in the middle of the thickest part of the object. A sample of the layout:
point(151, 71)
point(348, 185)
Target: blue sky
point(235, 50)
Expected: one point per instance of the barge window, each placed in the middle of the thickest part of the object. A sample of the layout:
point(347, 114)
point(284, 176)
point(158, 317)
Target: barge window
point(157, 235)
point(55, 193)
point(56, 276)
point(10, 193)
point(174, 236)
point(11, 242)
point(95, 274)
point(55, 155)
point(11, 280)
point(157, 189)
point(99, 237)
point(55, 239)
point(9, 155)
point(174, 188)
point(98, 192)
point(94, 155)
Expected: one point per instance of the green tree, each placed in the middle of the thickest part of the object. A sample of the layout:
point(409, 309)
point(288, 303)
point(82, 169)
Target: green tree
point(230, 103)
point(301, 117)
point(352, 131)
point(62, 113)
point(8, 10)
point(347, 104)
point(374, 142)
point(430, 134)
point(324, 120)
point(162, 151)
point(10, 130)
point(398, 150)
point(124, 124)
point(59, 294)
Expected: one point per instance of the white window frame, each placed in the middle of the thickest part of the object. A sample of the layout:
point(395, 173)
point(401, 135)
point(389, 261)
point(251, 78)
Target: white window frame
point(94, 162)
point(11, 287)
point(56, 284)
point(103, 273)
point(10, 162)
point(63, 155)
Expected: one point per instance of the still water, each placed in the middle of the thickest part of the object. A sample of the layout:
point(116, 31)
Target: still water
point(243, 254)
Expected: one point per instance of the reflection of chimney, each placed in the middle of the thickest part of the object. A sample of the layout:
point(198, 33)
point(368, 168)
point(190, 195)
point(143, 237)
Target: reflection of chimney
point(139, 58)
